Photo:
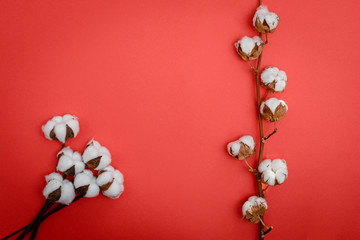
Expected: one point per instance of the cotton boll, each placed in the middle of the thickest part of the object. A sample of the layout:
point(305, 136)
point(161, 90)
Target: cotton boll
point(70, 162)
point(242, 148)
point(85, 184)
point(274, 79)
point(273, 109)
point(273, 172)
point(254, 208)
point(61, 128)
point(96, 156)
point(111, 182)
point(249, 48)
point(58, 190)
point(265, 165)
point(265, 21)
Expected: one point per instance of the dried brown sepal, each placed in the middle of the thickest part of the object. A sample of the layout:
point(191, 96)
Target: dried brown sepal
point(52, 134)
point(55, 195)
point(70, 171)
point(245, 151)
point(263, 27)
point(82, 190)
point(255, 52)
point(69, 133)
point(93, 163)
point(271, 87)
point(279, 114)
point(106, 186)
point(254, 213)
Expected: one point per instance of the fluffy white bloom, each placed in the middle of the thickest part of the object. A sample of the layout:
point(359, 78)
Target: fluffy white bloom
point(242, 148)
point(70, 162)
point(273, 172)
point(249, 48)
point(85, 184)
point(96, 156)
point(273, 109)
point(61, 128)
point(253, 208)
point(111, 182)
point(274, 79)
point(58, 190)
point(265, 21)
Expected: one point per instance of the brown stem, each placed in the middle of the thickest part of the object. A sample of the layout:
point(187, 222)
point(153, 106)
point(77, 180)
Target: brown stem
point(261, 150)
point(267, 93)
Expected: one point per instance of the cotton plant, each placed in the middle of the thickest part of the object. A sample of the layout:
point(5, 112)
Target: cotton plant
point(273, 80)
point(76, 175)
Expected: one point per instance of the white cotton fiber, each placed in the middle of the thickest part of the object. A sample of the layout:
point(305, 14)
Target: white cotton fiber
point(67, 193)
point(248, 140)
point(105, 176)
point(52, 176)
point(95, 150)
point(92, 191)
point(268, 177)
point(265, 165)
point(273, 74)
point(113, 176)
point(247, 44)
point(234, 148)
point(59, 125)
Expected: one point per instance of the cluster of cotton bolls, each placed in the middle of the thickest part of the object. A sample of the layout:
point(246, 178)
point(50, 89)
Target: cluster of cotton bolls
point(76, 175)
point(73, 164)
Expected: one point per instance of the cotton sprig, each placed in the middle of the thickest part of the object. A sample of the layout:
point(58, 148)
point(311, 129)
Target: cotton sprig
point(272, 109)
point(72, 181)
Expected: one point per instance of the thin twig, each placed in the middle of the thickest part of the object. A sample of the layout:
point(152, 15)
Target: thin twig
point(267, 231)
point(267, 93)
point(262, 222)
point(273, 132)
point(250, 168)
point(252, 67)
point(266, 41)
point(265, 188)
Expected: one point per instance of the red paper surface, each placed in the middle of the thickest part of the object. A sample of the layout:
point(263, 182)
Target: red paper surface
point(160, 84)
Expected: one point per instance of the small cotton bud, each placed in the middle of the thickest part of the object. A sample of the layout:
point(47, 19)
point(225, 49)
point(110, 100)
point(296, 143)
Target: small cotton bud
point(249, 48)
point(242, 148)
point(273, 109)
point(265, 21)
point(254, 208)
point(61, 128)
point(58, 190)
point(273, 172)
point(85, 184)
point(70, 162)
point(96, 156)
point(111, 182)
point(274, 79)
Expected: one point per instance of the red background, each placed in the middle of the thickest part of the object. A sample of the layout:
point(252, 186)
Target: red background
point(160, 84)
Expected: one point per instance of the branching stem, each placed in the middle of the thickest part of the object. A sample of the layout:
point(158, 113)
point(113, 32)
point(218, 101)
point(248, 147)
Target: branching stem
point(273, 132)
point(250, 168)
